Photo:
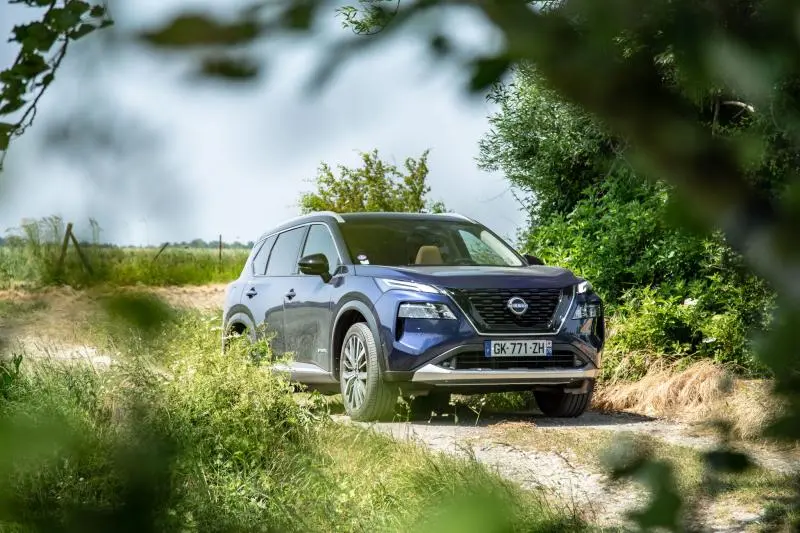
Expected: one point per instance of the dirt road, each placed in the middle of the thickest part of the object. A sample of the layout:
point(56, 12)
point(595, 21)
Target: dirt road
point(558, 457)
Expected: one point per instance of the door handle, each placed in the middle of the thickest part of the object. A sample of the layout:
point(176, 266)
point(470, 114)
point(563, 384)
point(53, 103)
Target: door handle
point(291, 294)
point(252, 292)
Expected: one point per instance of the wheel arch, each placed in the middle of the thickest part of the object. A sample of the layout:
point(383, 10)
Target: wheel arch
point(351, 312)
point(238, 321)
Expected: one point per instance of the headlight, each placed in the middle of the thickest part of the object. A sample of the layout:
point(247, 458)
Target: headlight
point(435, 311)
point(583, 311)
point(389, 284)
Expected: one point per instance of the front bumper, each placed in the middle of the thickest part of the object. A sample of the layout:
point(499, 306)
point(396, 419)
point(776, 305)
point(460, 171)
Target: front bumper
point(431, 374)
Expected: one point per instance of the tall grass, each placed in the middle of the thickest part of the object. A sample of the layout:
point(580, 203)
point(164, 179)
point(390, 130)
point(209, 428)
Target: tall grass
point(33, 258)
point(177, 437)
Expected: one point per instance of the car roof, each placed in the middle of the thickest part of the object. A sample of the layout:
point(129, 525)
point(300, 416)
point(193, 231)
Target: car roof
point(330, 217)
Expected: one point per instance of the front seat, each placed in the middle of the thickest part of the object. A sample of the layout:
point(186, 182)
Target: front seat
point(428, 255)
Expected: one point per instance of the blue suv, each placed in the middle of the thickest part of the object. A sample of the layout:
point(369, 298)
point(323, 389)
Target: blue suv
point(378, 305)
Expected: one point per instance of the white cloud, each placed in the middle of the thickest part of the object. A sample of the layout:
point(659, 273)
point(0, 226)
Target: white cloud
point(234, 160)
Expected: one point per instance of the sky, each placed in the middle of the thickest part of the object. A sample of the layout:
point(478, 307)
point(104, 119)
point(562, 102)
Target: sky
point(163, 156)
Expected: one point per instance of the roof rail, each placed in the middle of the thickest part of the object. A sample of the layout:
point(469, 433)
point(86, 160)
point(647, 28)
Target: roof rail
point(329, 213)
point(307, 215)
point(457, 215)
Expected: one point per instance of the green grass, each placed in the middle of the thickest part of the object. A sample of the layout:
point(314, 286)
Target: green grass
point(177, 437)
point(32, 256)
point(38, 265)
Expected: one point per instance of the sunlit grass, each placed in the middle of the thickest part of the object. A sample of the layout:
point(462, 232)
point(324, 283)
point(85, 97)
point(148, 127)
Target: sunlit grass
point(176, 435)
point(119, 266)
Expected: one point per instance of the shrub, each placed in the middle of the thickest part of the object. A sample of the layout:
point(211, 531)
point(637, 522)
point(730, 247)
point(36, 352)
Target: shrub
point(668, 291)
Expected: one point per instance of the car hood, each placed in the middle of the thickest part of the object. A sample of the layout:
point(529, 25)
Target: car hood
point(476, 277)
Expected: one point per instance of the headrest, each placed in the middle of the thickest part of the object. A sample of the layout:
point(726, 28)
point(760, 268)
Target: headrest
point(428, 255)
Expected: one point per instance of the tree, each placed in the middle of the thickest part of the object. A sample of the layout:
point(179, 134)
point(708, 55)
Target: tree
point(547, 147)
point(375, 186)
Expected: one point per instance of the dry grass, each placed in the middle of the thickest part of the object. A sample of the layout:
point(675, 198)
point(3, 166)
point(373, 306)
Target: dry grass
point(703, 392)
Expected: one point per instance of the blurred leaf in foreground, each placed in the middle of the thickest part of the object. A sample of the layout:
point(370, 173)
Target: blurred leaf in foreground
point(198, 29)
point(138, 310)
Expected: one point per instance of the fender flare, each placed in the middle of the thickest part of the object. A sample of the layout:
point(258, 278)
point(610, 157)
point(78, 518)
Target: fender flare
point(239, 315)
point(365, 308)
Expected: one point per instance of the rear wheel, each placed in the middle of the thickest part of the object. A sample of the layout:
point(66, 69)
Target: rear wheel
point(563, 404)
point(365, 395)
point(235, 331)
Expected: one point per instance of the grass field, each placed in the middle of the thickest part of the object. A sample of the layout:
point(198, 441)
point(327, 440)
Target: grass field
point(39, 266)
point(32, 257)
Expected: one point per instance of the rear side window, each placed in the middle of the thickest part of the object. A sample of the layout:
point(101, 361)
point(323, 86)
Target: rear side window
point(319, 241)
point(286, 252)
point(262, 256)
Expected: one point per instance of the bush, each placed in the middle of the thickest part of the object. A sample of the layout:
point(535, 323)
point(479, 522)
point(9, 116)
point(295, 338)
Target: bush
point(668, 291)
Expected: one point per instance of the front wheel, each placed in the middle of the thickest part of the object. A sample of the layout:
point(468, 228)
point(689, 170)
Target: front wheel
point(365, 395)
point(563, 404)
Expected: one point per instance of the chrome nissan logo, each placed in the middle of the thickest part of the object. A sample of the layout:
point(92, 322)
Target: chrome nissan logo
point(517, 305)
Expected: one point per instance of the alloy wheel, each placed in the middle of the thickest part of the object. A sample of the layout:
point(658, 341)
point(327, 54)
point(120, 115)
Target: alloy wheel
point(354, 372)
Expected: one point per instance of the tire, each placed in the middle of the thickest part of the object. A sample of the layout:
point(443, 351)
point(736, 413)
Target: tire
point(562, 404)
point(231, 332)
point(370, 398)
point(423, 406)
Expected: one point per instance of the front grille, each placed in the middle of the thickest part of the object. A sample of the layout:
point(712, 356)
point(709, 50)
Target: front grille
point(478, 361)
point(489, 308)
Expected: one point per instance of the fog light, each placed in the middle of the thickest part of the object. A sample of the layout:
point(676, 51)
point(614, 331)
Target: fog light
point(585, 311)
point(426, 310)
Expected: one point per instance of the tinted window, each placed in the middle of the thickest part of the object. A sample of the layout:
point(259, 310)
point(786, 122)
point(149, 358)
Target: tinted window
point(260, 260)
point(319, 241)
point(417, 241)
point(285, 253)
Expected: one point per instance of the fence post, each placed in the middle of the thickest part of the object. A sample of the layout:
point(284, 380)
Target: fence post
point(163, 246)
point(64, 247)
point(85, 261)
point(220, 250)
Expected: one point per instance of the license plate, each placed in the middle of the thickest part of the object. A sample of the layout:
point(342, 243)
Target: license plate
point(518, 348)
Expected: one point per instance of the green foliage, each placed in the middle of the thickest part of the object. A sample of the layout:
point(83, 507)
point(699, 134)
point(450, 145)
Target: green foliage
point(370, 17)
point(205, 442)
point(548, 148)
point(34, 257)
point(669, 291)
point(24, 82)
point(376, 186)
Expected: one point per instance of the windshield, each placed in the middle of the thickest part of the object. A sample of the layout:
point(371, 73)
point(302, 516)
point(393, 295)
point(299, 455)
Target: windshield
point(402, 242)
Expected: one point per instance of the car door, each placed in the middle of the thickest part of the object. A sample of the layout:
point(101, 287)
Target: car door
point(280, 272)
point(307, 311)
point(258, 290)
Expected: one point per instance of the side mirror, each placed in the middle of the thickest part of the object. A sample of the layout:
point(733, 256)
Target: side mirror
point(533, 260)
point(315, 265)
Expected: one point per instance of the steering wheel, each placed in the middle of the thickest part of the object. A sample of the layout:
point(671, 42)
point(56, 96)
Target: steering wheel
point(464, 261)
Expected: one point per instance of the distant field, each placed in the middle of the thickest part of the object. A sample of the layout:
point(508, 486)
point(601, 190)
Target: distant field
point(39, 266)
